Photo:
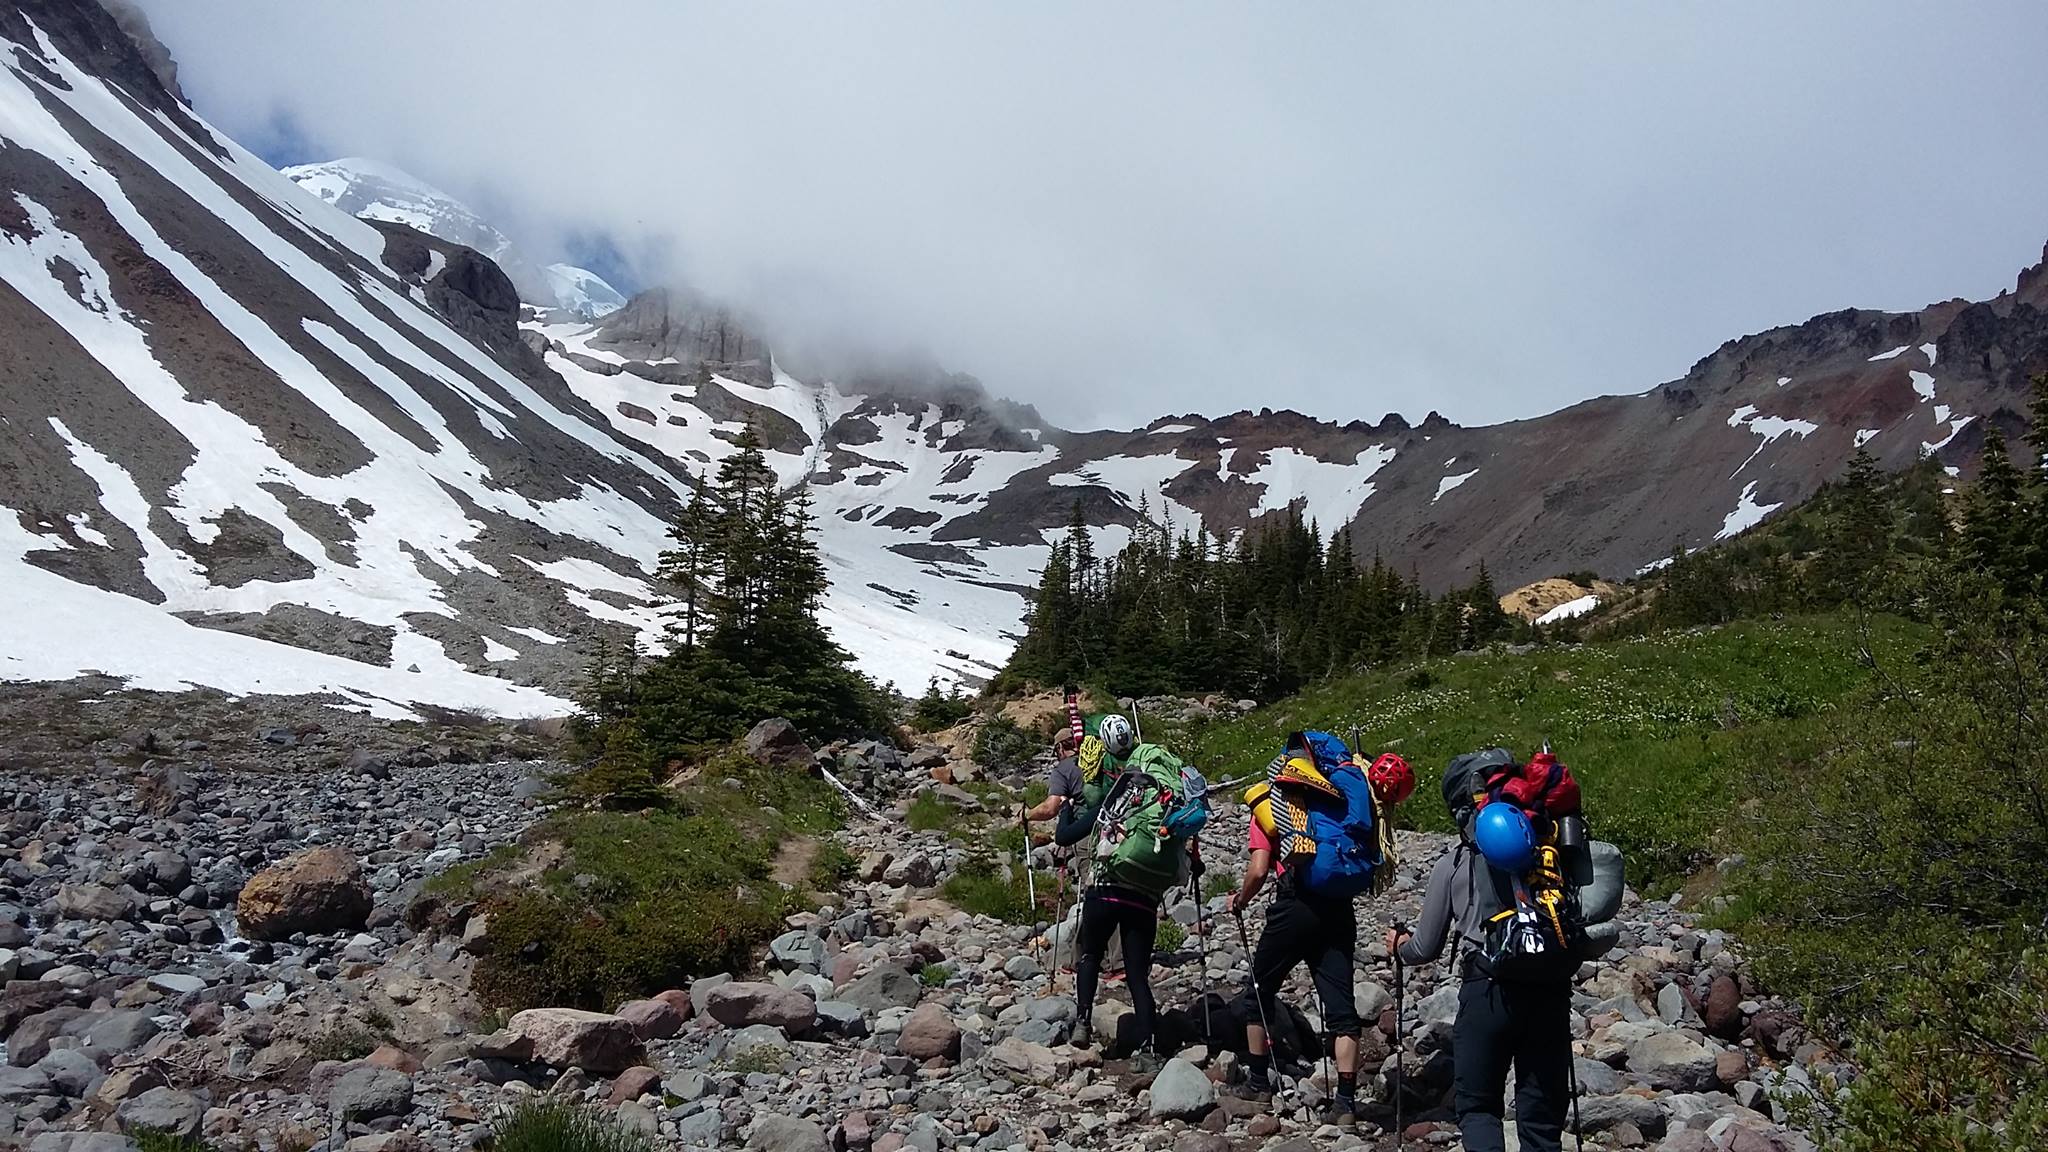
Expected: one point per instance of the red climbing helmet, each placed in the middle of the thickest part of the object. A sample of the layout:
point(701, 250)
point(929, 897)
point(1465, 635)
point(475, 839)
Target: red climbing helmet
point(1392, 779)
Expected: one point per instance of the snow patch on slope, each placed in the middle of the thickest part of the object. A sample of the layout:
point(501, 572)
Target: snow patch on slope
point(1893, 354)
point(1449, 483)
point(1768, 427)
point(1331, 493)
point(1571, 609)
point(1747, 513)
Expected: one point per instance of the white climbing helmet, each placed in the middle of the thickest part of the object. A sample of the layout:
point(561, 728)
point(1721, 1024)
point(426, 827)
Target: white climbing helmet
point(1115, 734)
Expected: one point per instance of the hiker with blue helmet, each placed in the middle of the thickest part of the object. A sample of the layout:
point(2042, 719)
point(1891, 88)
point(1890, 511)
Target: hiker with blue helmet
point(1504, 900)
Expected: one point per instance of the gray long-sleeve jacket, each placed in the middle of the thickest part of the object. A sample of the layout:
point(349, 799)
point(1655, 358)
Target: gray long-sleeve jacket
point(1461, 898)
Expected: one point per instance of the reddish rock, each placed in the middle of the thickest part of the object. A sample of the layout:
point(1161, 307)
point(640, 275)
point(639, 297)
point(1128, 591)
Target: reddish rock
point(1730, 1067)
point(396, 1059)
point(318, 891)
point(929, 1034)
point(655, 1019)
point(679, 999)
point(1722, 1012)
point(634, 1083)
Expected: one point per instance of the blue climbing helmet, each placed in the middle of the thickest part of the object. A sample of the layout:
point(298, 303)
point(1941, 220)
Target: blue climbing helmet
point(1505, 837)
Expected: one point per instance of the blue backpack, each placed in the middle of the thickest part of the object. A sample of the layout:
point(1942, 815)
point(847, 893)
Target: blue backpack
point(1347, 850)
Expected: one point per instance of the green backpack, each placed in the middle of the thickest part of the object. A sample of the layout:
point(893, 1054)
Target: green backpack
point(1136, 844)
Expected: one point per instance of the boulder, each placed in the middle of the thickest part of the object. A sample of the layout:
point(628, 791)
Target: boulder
point(1673, 1060)
point(655, 1019)
point(22, 1084)
point(886, 986)
point(70, 1071)
point(1722, 1012)
point(774, 1133)
point(94, 902)
point(776, 742)
point(634, 1083)
point(367, 1092)
point(913, 871)
point(317, 891)
point(570, 1038)
point(929, 1034)
point(163, 1110)
point(747, 1002)
point(81, 1142)
point(1020, 1060)
point(1602, 1113)
point(798, 951)
point(1182, 1092)
point(756, 1040)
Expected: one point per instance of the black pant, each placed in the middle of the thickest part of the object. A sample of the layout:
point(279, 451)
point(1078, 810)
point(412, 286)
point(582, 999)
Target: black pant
point(1530, 1026)
point(1322, 934)
point(1108, 908)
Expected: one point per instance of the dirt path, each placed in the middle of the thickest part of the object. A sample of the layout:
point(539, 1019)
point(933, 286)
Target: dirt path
point(792, 865)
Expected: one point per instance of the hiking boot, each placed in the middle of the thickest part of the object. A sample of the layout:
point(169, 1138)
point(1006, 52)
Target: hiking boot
point(1257, 1087)
point(1145, 1062)
point(1341, 1111)
point(1083, 1036)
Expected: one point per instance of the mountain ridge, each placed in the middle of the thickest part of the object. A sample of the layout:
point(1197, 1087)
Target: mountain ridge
point(238, 412)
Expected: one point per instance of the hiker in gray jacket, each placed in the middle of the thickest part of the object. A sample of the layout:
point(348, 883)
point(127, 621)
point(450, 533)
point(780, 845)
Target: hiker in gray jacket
point(1499, 1021)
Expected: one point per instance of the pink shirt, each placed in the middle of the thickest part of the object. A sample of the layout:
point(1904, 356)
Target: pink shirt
point(1261, 842)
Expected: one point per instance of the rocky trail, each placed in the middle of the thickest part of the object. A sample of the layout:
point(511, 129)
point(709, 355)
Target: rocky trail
point(334, 1013)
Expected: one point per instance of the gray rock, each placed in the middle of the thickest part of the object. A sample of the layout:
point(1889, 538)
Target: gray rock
point(774, 1133)
point(1602, 1113)
point(777, 742)
point(1673, 1060)
point(1672, 1006)
point(164, 1110)
point(177, 983)
point(887, 986)
point(756, 1040)
point(1182, 1092)
point(839, 1018)
point(914, 870)
point(1595, 1078)
point(81, 1142)
point(1439, 1007)
point(71, 1071)
point(1021, 967)
point(701, 1129)
point(94, 902)
point(688, 1086)
point(367, 1092)
point(20, 1084)
point(798, 951)
point(116, 1033)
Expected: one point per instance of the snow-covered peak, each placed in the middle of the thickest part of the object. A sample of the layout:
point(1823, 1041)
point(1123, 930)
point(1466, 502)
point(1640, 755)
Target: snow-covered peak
point(581, 291)
point(377, 191)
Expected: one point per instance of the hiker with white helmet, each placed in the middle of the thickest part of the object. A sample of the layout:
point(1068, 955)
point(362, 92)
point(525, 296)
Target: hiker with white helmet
point(1146, 810)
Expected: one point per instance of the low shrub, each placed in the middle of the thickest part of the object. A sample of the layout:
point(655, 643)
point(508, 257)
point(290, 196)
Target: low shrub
point(928, 813)
point(935, 975)
point(984, 887)
point(936, 711)
point(645, 901)
point(1002, 745)
point(554, 1126)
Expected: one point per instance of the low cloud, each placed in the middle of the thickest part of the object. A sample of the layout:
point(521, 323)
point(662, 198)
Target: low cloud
point(1120, 211)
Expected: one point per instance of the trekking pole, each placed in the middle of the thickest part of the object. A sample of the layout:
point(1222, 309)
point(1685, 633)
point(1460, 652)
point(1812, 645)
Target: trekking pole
point(1571, 1064)
point(1258, 998)
point(1400, 1024)
point(1030, 883)
point(1202, 942)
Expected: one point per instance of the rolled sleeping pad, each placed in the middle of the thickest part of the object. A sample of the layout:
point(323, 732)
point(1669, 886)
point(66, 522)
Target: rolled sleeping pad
point(1600, 898)
point(1601, 939)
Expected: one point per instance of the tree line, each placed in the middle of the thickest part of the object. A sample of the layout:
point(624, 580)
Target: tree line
point(1257, 615)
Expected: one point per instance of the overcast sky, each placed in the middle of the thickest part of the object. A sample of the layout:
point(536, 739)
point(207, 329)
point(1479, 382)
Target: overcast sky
point(1119, 211)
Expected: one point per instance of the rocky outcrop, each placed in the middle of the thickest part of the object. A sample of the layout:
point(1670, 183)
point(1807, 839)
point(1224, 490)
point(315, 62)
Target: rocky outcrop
point(569, 1038)
point(322, 890)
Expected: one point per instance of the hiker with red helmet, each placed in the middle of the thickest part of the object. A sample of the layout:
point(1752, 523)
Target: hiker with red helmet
point(1507, 899)
point(1317, 822)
